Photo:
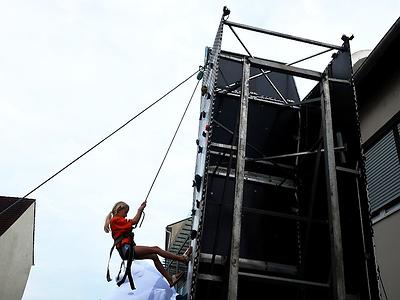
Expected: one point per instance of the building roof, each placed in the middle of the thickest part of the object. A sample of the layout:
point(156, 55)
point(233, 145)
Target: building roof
point(177, 222)
point(182, 237)
point(11, 209)
point(383, 58)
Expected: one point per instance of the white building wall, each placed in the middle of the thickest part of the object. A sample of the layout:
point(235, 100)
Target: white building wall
point(16, 256)
point(375, 111)
point(386, 235)
point(380, 106)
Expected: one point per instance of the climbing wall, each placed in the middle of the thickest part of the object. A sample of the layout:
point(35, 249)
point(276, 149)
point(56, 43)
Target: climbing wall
point(280, 204)
point(204, 135)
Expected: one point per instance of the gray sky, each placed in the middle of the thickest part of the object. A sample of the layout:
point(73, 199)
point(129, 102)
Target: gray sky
point(72, 71)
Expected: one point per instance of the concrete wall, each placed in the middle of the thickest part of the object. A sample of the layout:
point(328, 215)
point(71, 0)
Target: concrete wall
point(16, 256)
point(380, 106)
point(387, 233)
point(376, 109)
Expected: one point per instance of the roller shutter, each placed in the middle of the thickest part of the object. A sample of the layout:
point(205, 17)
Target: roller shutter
point(383, 172)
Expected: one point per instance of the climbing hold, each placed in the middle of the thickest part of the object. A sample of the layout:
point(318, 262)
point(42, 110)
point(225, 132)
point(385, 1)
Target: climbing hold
point(197, 203)
point(204, 90)
point(202, 115)
point(197, 180)
point(208, 95)
point(207, 127)
point(200, 75)
point(193, 234)
point(197, 142)
point(204, 134)
point(193, 212)
point(200, 150)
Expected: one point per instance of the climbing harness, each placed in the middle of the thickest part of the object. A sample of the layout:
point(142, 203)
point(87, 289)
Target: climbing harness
point(127, 254)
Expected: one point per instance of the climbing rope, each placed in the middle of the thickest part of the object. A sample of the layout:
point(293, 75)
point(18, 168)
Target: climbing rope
point(103, 140)
point(199, 77)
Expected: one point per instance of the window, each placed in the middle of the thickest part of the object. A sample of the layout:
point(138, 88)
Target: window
point(383, 169)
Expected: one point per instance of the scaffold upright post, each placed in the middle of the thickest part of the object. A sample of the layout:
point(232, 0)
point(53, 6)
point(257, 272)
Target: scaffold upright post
point(337, 269)
point(239, 183)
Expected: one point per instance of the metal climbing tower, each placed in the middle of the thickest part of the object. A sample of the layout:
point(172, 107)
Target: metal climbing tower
point(280, 204)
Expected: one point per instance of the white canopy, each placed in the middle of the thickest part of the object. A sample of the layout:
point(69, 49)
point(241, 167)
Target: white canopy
point(150, 285)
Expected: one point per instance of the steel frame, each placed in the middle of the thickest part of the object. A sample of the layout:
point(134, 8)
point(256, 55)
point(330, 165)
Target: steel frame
point(240, 175)
point(339, 289)
point(283, 35)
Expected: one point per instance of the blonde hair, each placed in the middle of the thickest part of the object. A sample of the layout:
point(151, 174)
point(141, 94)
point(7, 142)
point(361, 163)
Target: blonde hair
point(116, 208)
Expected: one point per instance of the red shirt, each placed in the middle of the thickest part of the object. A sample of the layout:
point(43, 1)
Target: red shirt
point(120, 225)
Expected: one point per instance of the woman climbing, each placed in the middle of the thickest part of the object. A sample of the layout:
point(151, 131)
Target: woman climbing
point(121, 231)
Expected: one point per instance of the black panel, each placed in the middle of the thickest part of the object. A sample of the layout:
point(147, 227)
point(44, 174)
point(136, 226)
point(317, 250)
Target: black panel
point(285, 225)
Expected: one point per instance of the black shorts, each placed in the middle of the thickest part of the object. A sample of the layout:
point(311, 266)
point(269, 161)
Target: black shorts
point(125, 251)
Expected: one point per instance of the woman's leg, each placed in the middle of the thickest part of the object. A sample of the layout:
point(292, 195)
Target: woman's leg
point(145, 250)
point(158, 265)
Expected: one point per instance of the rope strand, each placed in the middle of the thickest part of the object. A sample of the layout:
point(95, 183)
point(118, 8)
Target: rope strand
point(101, 141)
point(170, 144)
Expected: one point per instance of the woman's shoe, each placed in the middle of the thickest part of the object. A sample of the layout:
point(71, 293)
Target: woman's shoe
point(176, 278)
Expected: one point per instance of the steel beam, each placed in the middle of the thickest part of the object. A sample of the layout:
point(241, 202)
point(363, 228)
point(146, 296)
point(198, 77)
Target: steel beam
point(258, 98)
point(218, 153)
point(282, 215)
point(283, 35)
point(286, 69)
point(239, 183)
point(231, 132)
point(227, 56)
point(230, 56)
point(268, 163)
point(293, 154)
point(262, 71)
point(296, 104)
point(252, 264)
point(255, 177)
point(347, 170)
point(338, 282)
point(337, 80)
point(209, 277)
point(286, 281)
point(223, 146)
point(293, 63)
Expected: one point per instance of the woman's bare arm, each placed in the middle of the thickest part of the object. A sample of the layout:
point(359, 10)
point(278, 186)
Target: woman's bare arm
point(136, 218)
